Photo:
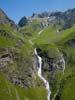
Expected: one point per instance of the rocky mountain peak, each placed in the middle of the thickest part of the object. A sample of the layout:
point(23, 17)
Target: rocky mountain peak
point(4, 19)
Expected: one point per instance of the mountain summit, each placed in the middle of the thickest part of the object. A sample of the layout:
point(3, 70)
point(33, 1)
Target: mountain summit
point(4, 19)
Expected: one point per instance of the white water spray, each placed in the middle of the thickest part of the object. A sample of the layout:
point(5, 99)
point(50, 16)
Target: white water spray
point(40, 74)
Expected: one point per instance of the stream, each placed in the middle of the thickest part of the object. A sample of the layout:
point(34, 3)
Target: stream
point(40, 74)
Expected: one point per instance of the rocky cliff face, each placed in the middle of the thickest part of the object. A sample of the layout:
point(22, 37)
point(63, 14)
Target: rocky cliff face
point(19, 69)
point(53, 67)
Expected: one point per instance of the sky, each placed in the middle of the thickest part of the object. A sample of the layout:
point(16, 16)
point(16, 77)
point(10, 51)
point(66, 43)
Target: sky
point(16, 9)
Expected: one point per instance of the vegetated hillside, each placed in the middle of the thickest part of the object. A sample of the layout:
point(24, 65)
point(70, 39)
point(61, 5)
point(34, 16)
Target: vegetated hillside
point(16, 67)
point(18, 64)
point(48, 42)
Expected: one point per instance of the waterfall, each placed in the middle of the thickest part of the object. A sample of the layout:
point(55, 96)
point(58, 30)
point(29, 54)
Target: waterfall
point(40, 74)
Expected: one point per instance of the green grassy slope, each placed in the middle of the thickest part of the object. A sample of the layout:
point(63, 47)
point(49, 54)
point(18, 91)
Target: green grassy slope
point(22, 51)
point(50, 35)
point(49, 40)
point(67, 90)
point(8, 91)
point(33, 28)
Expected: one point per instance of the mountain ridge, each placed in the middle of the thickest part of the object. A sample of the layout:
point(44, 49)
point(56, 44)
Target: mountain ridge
point(19, 65)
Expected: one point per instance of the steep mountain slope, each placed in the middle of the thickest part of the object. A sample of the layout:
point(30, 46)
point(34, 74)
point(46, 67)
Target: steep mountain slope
point(66, 45)
point(16, 66)
point(19, 65)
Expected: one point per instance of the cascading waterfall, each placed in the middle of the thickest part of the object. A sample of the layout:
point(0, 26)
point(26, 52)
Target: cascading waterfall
point(40, 74)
